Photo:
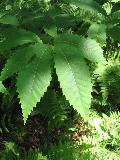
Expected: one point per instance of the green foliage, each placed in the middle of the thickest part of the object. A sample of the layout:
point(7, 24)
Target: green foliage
point(105, 134)
point(84, 47)
point(116, 7)
point(86, 149)
point(34, 155)
point(50, 53)
point(20, 37)
point(73, 67)
point(9, 19)
point(12, 152)
point(33, 82)
point(114, 32)
point(17, 61)
point(89, 5)
point(38, 44)
point(110, 126)
point(98, 32)
point(54, 108)
point(2, 88)
point(108, 78)
point(68, 150)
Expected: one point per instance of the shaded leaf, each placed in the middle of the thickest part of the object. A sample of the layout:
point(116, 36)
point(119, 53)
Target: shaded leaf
point(12, 37)
point(114, 32)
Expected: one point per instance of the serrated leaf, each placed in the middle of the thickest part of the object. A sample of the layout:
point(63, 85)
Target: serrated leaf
point(74, 77)
point(16, 62)
point(12, 37)
point(86, 47)
point(89, 5)
point(33, 82)
point(98, 32)
point(20, 58)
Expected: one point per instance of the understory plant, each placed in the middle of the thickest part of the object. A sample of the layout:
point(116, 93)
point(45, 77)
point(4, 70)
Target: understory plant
point(12, 152)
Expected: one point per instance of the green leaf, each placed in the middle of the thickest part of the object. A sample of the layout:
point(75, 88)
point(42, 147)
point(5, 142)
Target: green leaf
point(65, 20)
point(20, 59)
point(115, 1)
point(74, 77)
point(86, 47)
point(116, 7)
point(114, 32)
point(98, 32)
point(89, 5)
point(33, 82)
point(101, 2)
point(16, 62)
point(12, 37)
point(2, 88)
point(113, 18)
point(9, 19)
point(52, 30)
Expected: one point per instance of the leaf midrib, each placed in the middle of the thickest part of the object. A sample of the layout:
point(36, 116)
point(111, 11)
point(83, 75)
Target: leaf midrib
point(72, 74)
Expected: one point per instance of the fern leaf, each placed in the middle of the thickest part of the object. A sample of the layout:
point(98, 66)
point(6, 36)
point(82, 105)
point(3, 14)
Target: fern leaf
point(12, 37)
point(74, 77)
point(89, 5)
point(86, 47)
point(33, 82)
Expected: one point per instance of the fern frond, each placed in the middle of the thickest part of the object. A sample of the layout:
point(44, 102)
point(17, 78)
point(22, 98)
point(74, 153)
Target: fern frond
point(108, 77)
point(81, 14)
point(89, 5)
